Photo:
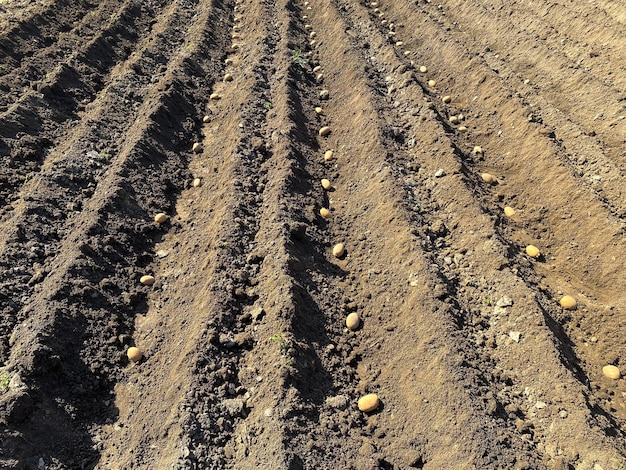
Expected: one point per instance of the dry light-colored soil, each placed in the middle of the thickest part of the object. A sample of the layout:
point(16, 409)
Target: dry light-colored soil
point(247, 361)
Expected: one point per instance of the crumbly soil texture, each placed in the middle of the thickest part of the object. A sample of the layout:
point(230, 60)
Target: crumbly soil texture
point(438, 115)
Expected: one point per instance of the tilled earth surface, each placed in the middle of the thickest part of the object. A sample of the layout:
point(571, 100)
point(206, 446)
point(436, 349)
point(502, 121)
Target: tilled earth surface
point(247, 359)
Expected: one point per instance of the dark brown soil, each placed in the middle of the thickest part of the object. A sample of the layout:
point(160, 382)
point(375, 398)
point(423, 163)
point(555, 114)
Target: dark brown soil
point(247, 360)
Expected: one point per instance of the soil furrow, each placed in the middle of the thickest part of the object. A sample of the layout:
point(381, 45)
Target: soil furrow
point(560, 78)
point(433, 142)
point(51, 204)
point(496, 246)
point(40, 29)
point(30, 131)
point(91, 292)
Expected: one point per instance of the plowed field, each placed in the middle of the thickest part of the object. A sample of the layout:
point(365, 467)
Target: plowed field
point(438, 115)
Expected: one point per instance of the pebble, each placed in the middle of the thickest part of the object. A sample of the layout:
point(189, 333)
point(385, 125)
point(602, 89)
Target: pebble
point(368, 402)
point(324, 131)
point(568, 302)
point(197, 147)
point(228, 61)
point(134, 354)
point(160, 218)
point(515, 335)
point(228, 77)
point(446, 99)
point(353, 321)
point(611, 372)
point(325, 184)
point(319, 110)
point(147, 280)
point(532, 251)
point(339, 250)
point(423, 69)
point(206, 119)
point(328, 155)
point(440, 173)
point(462, 129)
point(509, 211)
point(317, 68)
point(489, 178)
point(197, 182)
point(324, 94)
point(399, 43)
point(319, 77)
point(432, 83)
point(454, 119)
point(215, 96)
point(325, 213)
point(478, 150)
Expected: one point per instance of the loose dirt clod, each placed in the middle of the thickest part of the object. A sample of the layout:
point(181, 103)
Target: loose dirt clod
point(568, 302)
point(611, 372)
point(325, 184)
point(328, 155)
point(197, 147)
point(215, 96)
point(147, 280)
point(339, 250)
point(532, 251)
point(353, 321)
point(325, 213)
point(368, 402)
point(324, 131)
point(509, 211)
point(446, 99)
point(134, 354)
point(488, 178)
point(160, 218)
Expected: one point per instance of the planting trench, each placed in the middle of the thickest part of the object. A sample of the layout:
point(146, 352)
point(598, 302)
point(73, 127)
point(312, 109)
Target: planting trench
point(247, 360)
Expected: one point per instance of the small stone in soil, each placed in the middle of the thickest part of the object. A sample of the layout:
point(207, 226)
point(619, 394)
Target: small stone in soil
point(509, 211)
point(324, 131)
point(147, 280)
point(326, 184)
point(325, 213)
point(440, 173)
point(328, 155)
